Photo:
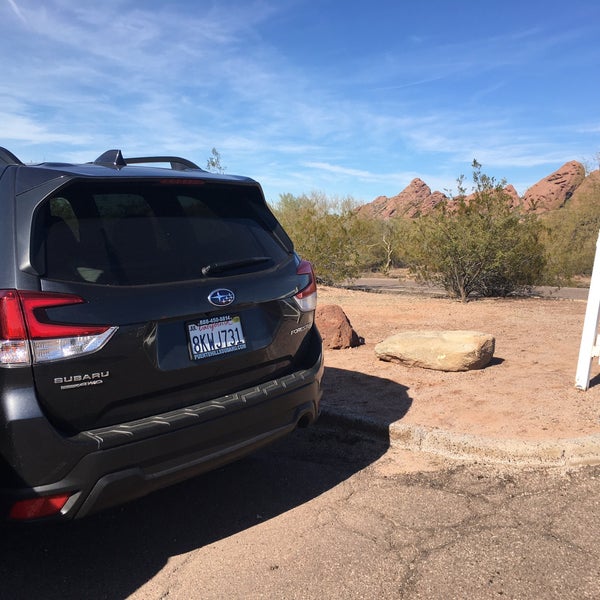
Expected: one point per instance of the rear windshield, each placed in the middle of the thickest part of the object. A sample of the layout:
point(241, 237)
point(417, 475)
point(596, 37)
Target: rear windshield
point(134, 233)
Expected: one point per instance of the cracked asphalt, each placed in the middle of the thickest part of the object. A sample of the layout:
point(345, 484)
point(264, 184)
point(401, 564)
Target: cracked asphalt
point(326, 513)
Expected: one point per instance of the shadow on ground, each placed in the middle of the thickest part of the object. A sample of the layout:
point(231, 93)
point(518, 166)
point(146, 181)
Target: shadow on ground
point(594, 381)
point(110, 555)
point(349, 395)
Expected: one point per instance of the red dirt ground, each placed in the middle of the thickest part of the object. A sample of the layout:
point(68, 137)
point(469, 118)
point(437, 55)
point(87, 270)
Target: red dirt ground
point(527, 392)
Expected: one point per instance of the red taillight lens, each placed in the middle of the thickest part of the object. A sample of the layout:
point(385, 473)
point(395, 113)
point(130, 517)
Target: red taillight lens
point(12, 323)
point(14, 345)
point(27, 334)
point(306, 268)
point(35, 508)
point(306, 298)
point(38, 325)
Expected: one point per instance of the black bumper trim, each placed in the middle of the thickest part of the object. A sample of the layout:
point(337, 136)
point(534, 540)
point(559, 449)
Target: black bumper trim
point(125, 433)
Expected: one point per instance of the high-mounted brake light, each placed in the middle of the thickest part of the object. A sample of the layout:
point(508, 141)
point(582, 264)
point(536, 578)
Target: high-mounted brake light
point(27, 335)
point(306, 298)
point(173, 181)
point(35, 508)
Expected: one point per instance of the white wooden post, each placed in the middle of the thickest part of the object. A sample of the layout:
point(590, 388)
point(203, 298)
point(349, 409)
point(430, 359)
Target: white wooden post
point(589, 338)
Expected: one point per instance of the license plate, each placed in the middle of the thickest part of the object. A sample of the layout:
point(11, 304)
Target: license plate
point(215, 336)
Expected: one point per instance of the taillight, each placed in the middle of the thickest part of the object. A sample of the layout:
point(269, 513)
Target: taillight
point(27, 335)
point(14, 347)
point(39, 326)
point(35, 508)
point(306, 298)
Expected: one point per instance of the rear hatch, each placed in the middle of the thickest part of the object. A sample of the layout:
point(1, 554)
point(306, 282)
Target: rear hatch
point(185, 288)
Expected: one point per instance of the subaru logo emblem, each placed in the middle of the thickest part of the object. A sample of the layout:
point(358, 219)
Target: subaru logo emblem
point(221, 297)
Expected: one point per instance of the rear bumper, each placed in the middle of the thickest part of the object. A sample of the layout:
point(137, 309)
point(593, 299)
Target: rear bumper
point(109, 466)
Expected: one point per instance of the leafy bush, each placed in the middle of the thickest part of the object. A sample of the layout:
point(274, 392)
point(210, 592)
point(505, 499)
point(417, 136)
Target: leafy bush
point(478, 245)
point(570, 237)
point(325, 231)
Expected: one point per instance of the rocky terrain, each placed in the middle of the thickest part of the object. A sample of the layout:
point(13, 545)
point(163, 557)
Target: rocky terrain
point(569, 184)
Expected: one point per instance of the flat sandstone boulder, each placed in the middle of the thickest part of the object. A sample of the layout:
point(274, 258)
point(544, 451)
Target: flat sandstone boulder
point(440, 350)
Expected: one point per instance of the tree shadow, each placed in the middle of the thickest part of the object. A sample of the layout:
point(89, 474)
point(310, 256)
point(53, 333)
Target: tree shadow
point(112, 554)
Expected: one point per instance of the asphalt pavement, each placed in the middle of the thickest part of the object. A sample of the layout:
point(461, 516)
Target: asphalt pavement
point(391, 285)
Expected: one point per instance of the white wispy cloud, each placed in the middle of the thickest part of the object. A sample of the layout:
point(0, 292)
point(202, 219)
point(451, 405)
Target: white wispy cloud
point(130, 69)
point(23, 128)
point(338, 169)
point(15, 8)
point(182, 77)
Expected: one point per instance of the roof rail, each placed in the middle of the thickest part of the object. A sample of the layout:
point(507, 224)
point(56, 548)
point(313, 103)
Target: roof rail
point(8, 158)
point(177, 163)
point(114, 158)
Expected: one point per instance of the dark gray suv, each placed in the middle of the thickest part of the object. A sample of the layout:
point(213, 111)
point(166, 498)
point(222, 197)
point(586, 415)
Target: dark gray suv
point(155, 323)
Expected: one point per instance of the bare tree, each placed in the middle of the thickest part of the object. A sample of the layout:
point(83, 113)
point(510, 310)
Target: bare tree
point(213, 162)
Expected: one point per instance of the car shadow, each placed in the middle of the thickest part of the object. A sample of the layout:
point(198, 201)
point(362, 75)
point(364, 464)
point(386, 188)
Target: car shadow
point(112, 554)
point(352, 397)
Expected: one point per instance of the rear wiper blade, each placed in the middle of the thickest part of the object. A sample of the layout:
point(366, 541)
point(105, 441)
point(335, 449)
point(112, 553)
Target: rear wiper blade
point(230, 265)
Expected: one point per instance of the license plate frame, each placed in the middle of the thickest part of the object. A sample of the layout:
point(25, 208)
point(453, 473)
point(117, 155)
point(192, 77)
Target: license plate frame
point(215, 336)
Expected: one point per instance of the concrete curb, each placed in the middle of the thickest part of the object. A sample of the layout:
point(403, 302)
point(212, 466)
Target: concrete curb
point(571, 452)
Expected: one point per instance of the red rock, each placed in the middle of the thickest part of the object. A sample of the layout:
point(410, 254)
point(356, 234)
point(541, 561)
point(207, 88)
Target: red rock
point(515, 199)
point(335, 328)
point(548, 194)
point(416, 199)
point(553, 191)
point(588, 191)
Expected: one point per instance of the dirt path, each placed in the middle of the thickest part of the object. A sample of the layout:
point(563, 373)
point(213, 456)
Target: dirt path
point(527, 392)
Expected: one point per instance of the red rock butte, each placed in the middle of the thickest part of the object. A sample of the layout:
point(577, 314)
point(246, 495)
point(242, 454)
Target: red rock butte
point(569, 184)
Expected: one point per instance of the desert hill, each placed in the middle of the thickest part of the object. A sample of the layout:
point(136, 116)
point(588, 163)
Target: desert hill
point(569, 184)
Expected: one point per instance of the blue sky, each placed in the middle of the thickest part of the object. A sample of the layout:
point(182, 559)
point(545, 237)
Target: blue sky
point(344, 97)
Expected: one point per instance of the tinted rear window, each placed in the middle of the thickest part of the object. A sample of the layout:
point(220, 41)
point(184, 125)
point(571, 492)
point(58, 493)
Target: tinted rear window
point(133, 233)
